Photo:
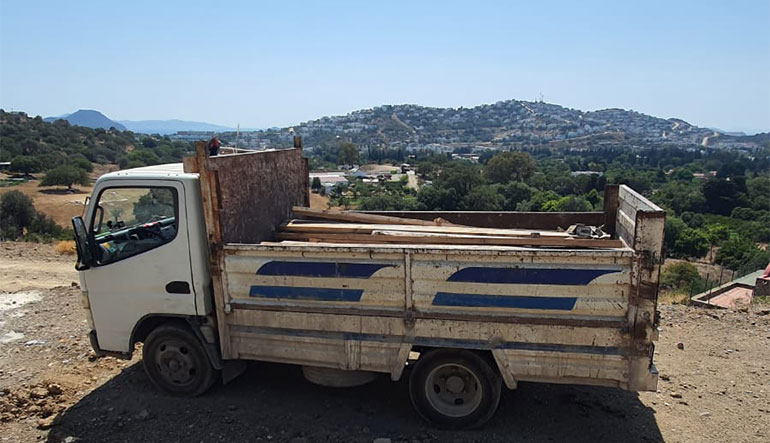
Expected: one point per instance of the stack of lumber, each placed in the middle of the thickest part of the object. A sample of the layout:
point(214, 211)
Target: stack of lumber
point(352, 227)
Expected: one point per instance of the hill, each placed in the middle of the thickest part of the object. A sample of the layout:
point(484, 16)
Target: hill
point(164, 127)
point(503, 125)
point(61, 143)
point(88, 118)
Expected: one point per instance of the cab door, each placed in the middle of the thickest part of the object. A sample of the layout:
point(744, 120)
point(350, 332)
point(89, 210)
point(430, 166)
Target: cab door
point(141, 257)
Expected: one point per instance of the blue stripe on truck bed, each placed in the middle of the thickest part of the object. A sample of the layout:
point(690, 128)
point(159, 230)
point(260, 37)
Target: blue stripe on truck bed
point(320, 269)
point(532, 276)
point(300, 293)
point(504, 301)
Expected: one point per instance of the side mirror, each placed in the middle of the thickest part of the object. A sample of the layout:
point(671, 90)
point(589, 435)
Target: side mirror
point(82, 245)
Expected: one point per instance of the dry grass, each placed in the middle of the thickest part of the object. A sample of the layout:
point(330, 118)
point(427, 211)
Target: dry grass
point(673, 297)
point(65, 247)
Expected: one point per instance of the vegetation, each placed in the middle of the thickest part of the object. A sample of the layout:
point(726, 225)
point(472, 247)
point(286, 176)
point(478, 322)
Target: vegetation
point(65, 175)
point(20, 220)
point(716, 200)
point(32, 145)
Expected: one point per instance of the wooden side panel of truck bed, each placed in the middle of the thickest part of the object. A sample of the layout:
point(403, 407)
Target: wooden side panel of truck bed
point(556, 316)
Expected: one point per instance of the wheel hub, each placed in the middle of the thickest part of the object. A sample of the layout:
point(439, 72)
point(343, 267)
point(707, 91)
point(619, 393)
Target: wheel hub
point(175, 363)
point(455, 384)
point(453, 390)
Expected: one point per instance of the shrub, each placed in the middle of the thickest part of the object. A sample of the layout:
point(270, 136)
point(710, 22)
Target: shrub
point(65, 247)
point(65, 176)
point(680, 275)
point(16, 214)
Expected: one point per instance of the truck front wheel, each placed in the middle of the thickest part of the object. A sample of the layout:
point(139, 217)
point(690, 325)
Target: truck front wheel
point(455, 389)
point(176, 362)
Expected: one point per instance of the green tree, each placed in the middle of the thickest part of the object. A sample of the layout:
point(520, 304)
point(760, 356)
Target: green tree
point(316, 185)
point(680, 275)
point(26, 164)
point(509, 166)
point(65, 176)
point(347, 154)
point(16, 213)
point(738, 253)
point(569, 203)
point(483, 198)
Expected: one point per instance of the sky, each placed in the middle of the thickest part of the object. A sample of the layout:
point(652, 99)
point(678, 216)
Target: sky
point(265, 64)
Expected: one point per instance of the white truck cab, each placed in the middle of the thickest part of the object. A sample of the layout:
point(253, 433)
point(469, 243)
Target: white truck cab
point(150, 256)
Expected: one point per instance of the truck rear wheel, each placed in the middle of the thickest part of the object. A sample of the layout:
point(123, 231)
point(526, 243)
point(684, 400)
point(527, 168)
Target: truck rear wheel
point(176, 362)
point(455, 389)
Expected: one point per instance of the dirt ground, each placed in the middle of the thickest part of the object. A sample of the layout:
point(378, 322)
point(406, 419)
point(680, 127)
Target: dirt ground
point(714, 387)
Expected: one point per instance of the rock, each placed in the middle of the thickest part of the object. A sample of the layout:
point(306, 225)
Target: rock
point(676, 395)
point(54, 389)
point(680, 345)
point(45, 423)
point(38, 393)
point(70, 439)
point(144, 414)
point(381, 440)
point(664, 377)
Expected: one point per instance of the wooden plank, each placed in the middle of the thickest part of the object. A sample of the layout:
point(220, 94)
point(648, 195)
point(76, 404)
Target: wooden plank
point(213, 233)
point(353, 228)
point(610, 208)
point(504, 220)
point(330, 214)
point(476, 240)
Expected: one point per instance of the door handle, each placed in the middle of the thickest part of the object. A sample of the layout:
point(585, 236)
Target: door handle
point(178, 287)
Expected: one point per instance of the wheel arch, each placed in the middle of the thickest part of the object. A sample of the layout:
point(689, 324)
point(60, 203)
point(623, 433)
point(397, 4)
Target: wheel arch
point(150, 322)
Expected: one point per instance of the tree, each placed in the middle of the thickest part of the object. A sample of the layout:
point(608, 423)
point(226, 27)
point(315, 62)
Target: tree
point(737, 253)
point(483, 198)
point(680, 275)
point(26, 164)
point(721, 196)
point(65, 176)
point(569, 203)
point(16, 213)
point(347, 154)
point(508, 166)
point(316, 185)
point(461, 176)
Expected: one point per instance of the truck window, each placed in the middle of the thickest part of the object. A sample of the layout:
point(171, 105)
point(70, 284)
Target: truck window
point(129, 221)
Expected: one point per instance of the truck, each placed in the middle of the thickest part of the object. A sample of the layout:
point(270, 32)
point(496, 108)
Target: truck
point(185, 259)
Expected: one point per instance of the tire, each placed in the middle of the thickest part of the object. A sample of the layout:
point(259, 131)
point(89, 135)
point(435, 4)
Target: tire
point(175, 361)
point(455, 389)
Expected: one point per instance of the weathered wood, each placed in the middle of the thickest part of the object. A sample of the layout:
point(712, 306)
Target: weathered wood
point(504, 220)
point(256, 192)
point(475, 240)
point(610, 208)
point(213, 233)
point(354, 228)
point(358, 217)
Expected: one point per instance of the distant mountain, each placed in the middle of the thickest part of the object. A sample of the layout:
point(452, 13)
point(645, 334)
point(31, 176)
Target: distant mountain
point(164, 127)
point(89, 119)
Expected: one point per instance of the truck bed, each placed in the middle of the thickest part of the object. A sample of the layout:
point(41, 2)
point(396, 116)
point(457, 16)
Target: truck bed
point(544, 314)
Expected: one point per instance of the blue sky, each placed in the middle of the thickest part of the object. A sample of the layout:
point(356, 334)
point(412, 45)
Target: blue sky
point(279, 63)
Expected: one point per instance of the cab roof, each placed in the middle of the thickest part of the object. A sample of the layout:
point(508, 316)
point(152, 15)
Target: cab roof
point(151, 172)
